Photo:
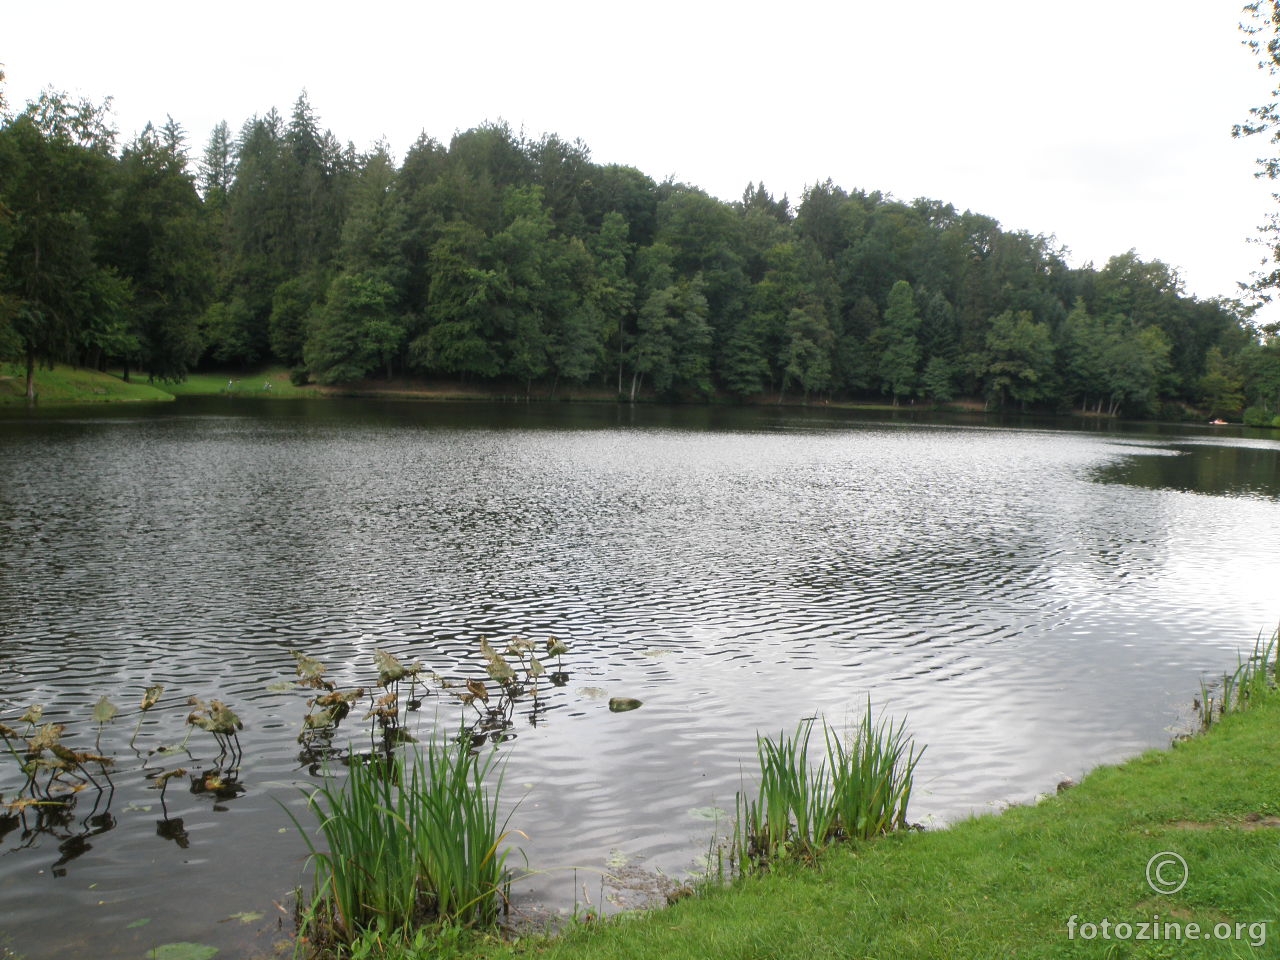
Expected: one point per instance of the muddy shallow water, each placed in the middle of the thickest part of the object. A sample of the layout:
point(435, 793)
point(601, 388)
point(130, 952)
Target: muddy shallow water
point(1036, 600)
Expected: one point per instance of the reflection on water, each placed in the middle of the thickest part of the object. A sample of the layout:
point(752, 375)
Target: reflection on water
point(1222, 470)
point(735, 570)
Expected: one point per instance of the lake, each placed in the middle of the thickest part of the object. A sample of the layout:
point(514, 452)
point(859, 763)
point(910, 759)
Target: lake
point(1035, 598)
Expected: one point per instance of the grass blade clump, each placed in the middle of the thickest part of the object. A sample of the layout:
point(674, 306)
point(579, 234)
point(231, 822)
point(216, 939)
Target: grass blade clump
point(1255, 677)
point(790, 812)
point(871, 777)
point(860, 789)
point(407, 840)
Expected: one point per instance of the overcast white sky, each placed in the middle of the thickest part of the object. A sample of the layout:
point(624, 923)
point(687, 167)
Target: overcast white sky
point(1104, 122)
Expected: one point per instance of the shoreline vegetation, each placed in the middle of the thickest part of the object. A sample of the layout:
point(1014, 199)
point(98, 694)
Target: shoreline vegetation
point(68, 386)
point(502, 259)
point(1171, 853)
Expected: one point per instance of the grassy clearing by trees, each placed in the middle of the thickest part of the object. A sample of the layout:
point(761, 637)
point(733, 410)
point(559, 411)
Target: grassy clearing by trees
point(74, 385)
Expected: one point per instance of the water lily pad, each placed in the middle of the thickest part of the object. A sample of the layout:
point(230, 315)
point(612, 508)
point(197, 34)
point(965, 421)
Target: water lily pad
point(104, 711)
point(496, 664)
point(623, 704)
point(151, 696)
point(182, 951)
point(617, 859)
point(247, 916)
point(556, 647)
point(280, 686)
point(140, 922)
point(707, 813)
point(593, 693)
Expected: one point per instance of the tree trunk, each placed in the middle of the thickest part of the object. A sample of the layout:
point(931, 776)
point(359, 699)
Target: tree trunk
point(635, 382)
point(31, 375)
point(621, 335)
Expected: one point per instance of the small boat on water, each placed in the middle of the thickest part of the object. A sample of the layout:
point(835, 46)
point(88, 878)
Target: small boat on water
point(1218, 423)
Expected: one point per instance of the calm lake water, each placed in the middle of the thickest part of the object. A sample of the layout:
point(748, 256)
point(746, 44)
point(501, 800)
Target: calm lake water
point(1035, 600)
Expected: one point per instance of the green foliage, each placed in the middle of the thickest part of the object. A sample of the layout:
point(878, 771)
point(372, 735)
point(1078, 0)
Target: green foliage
point(1221, 387)
point(182, 951)
point(157, 239)
point(502, 258)
point(1018, 361)
point(806, 359)
point(55, 190)
point(355, 331)
point(896, 344)
point(1258, 417)
point(291, 304)
point(938, 380)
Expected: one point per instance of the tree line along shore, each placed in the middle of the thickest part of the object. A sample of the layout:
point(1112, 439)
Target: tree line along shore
point(500, 261)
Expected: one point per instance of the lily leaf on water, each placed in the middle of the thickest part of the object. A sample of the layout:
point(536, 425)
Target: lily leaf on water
point(182, 951)
point(497, 666)
point(310, 670)
point(151, 696)
point(45, 737)
point(104, 711)
point(519, 646)
point(215, 717)
point(389, 668)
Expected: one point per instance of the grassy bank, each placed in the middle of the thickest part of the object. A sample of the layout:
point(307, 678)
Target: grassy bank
point(73, 385)
point(68, 385)
point(272, 382)
point(1010, 885)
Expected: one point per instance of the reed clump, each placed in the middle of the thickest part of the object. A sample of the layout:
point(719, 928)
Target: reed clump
point(859, 789)
point(408, 839)
point(1255, 677)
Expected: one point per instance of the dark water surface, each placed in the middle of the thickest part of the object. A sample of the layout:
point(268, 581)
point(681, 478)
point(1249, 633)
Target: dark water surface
point(1036, 600)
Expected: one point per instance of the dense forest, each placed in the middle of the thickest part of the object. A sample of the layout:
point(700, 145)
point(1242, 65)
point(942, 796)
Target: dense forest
point(520, 262)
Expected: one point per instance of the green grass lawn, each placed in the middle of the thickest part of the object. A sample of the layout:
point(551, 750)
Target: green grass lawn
point(65, 385)
point(1034, 881)
point(73, 385)
point(272, 382)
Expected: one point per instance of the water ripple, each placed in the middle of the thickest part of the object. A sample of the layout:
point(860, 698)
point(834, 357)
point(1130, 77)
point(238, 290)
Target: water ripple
point(1029, 620)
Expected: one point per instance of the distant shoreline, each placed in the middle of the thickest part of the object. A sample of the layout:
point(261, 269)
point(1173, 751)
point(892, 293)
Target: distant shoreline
point(66, 386)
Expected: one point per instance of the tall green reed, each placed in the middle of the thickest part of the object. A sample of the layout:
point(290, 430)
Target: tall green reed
point(407, 839)
point(871, 777)
point(1255, 677)
point(859, 789)
point(790, 813)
